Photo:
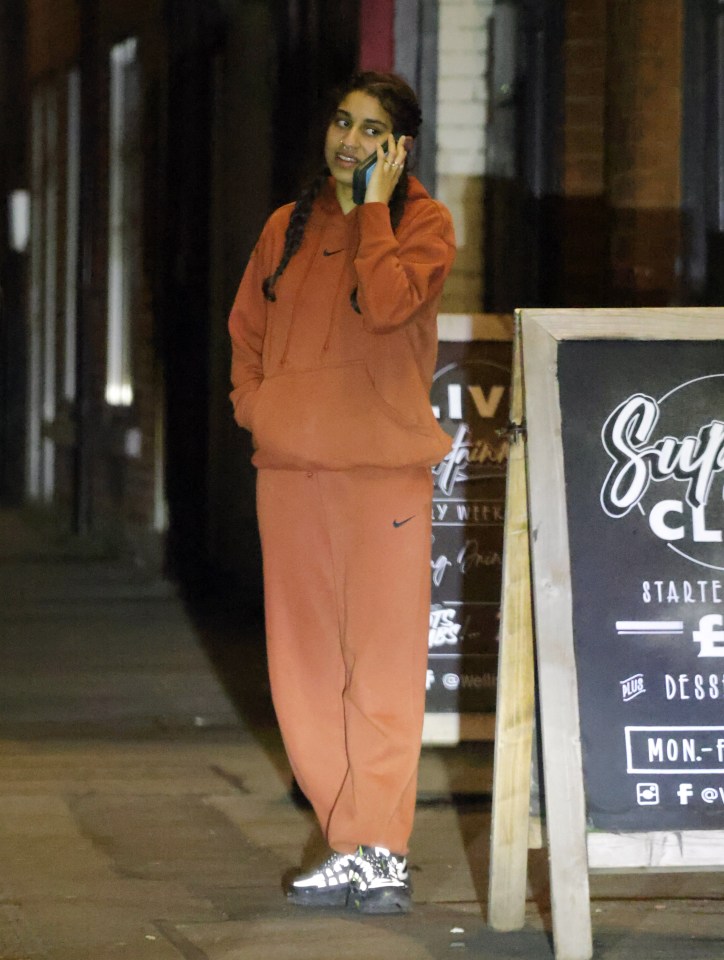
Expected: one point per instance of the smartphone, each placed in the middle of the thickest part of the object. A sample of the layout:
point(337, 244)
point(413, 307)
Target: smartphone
point(362, 174)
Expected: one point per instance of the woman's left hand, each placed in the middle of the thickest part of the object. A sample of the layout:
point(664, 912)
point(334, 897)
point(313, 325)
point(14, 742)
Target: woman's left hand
point(387, 172)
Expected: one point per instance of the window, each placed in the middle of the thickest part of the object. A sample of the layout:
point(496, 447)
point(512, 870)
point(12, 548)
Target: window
point(71, 234)
point(123, 225)
point(50, 312)
point(40, 462)
point(35, 343)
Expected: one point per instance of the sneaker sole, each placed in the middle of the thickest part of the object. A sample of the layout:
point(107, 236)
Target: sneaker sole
point(318, 898)
point(381, 901)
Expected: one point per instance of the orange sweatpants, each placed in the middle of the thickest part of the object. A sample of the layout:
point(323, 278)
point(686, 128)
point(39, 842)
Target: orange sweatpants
point(347, 596)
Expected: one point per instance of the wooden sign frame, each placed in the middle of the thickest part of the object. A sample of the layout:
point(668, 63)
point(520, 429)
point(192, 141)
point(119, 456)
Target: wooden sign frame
point(537, 502)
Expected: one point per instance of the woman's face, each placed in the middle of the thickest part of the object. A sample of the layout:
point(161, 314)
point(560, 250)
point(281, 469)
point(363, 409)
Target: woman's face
point(358, 125)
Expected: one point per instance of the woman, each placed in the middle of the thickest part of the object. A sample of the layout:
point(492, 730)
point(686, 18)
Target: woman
point(334, 345)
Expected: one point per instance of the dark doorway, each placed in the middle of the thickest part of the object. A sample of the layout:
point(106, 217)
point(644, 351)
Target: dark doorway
point(195, 32)
point(703, 152)
point(310, 48)
point(522, 132)
point(318, 45)
point(13, 344)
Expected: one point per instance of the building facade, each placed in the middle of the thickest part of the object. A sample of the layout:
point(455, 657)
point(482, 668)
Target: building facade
point(578, 145)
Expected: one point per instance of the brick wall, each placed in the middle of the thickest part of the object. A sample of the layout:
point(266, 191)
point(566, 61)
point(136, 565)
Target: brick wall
point(584, 220)
point(584, 56)
point(621, 222)
point(53, 35)
point(617, 218)
point(643, 166)
point(462, 104)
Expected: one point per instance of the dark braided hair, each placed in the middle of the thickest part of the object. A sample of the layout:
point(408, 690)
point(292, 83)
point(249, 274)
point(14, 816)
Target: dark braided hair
point(400, 102)
point(295, 231)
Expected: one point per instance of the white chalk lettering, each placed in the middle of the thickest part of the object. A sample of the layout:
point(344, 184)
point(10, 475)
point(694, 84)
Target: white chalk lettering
point(671, 749)
point(710, 635)
point(443, 628)
point(439, 566)
point(691, 459)
point(703, 686)
point(681, 591)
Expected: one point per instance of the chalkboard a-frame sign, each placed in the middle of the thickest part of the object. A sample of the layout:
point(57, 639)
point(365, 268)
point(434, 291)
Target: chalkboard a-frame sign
point(624, 416)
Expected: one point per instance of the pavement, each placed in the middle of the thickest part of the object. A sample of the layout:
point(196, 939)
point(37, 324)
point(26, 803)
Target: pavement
point(147, 811)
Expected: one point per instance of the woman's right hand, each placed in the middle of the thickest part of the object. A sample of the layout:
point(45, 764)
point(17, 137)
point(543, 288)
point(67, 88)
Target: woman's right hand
point(387, 171)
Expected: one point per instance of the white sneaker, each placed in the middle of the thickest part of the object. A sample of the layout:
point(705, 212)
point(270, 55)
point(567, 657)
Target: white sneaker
point(379, 882)
point(326, 885)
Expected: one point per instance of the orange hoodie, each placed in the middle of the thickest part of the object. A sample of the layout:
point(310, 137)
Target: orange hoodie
point(319, 385)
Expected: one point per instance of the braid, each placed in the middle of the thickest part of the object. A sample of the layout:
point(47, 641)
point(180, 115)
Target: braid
point(295, 231)
point(397, 208)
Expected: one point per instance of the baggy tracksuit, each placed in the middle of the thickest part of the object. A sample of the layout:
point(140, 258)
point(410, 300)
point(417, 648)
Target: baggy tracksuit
point(337, 401)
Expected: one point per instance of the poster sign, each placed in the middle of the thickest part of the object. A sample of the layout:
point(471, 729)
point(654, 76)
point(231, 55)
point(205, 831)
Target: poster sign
point(470, 397)
point(624, 418)
point(643, 444)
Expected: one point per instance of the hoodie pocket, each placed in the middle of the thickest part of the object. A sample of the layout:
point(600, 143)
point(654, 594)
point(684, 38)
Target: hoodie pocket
point(334, 418)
